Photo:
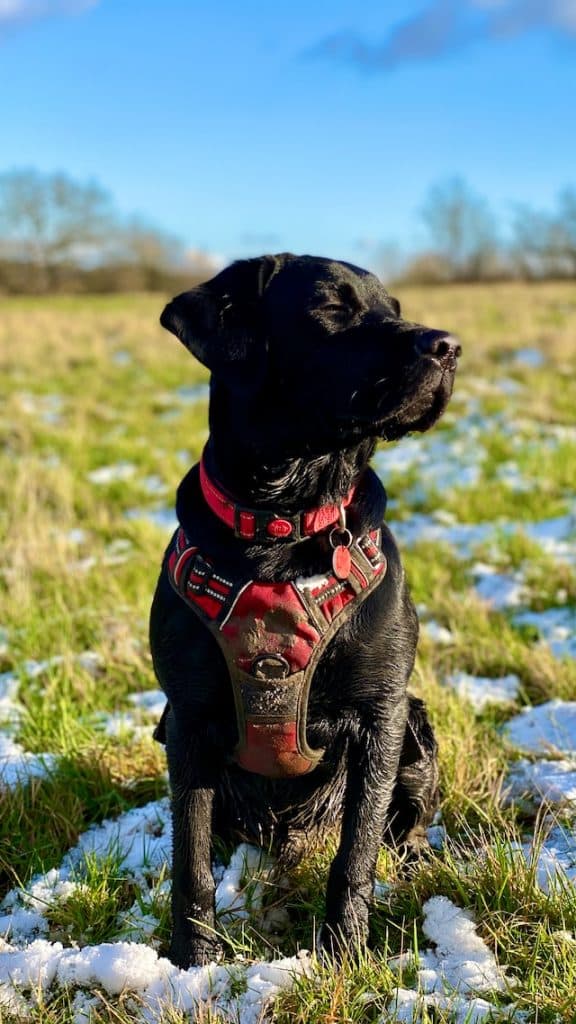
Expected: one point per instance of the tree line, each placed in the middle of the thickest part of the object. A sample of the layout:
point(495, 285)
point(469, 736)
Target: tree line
point(468, 244)
point(57, 234)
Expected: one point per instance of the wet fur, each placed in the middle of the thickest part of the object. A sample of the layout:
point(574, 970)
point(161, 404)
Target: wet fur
point(311, 363)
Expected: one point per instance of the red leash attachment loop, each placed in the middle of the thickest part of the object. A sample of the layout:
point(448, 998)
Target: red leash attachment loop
point(340, 541)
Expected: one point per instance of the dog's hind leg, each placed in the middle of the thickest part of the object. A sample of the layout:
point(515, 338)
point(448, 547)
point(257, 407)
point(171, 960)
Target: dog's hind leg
point(416, 794)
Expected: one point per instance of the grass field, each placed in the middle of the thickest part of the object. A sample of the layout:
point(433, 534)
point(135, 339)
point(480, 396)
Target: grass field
point(102, 415)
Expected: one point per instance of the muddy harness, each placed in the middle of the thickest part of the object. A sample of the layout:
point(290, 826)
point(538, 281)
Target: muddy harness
point(273, 635)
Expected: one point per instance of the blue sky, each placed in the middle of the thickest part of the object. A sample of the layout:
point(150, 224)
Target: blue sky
point(317, 127)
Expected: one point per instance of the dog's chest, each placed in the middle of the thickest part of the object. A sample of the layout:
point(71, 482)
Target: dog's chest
point(272, 636)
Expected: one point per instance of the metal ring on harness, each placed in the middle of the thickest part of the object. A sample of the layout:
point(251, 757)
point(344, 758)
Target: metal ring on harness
point(337, 532)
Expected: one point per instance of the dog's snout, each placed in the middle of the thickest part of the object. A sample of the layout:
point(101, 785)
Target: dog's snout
point(437, 343)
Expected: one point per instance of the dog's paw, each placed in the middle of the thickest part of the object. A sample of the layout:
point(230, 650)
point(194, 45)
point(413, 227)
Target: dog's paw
point(337, 943)
point(195, 952)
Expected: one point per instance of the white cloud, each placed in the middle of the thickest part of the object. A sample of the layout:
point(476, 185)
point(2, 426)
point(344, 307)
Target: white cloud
point(14, 12)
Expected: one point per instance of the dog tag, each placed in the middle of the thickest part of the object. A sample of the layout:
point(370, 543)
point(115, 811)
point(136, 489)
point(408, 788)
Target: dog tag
point(341, 562)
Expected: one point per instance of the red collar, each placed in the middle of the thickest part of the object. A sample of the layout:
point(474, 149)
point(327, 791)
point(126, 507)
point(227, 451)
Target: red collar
point(264, 525)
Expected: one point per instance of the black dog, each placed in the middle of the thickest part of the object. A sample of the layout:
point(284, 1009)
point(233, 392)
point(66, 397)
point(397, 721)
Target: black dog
point(311, 363)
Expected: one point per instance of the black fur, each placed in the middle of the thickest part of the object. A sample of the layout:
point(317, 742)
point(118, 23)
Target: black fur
point(311, 363)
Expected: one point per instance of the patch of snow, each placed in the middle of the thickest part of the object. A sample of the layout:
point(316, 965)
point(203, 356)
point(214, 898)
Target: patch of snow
point(47, 407)
point(190, 394)
point(121, 357)
point(556, 626)
point(461, 965)
point(33, 668)
point(152, 702)
point(553, 858)
point(163, 517)
point(111, 474)
point(154, 484)
point(232, 900)
point(17, 766)
point(438, 634)
point(530, 357)
point(552, 781)
point(408, 1007)
point(499, 590)
point(547, 728)
point(141, 840)
point(511, 476)
point(9, 708)
point(483, 690)
point(556, 536)
point(121, 723)
point(75, 536)
point(148, 706)
point(91, 661)
point(453, 459)
point(508, 386)
point(463, 537)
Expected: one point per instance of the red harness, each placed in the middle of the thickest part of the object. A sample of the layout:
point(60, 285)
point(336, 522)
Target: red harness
point(272, 635)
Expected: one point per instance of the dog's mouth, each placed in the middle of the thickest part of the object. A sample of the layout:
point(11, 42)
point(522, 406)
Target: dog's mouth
point(413, 399)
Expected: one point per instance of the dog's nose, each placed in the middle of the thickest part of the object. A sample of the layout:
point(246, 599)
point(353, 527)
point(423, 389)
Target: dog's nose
point(437, 343)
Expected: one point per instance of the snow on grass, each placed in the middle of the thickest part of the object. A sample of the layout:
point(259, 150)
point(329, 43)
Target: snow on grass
point(436, 633)
point(9, 706)
point(550, 781)
point(148, 707)
point(111, 474)
point(17, 766)
point(126, 967)
point(533, 358)
point(553, 858)
point(450, 976)
point(499, 590)
point(163, 517)
point(442, 462)
point(483, 690)
point(556, 628)
point(556, 536)
point(442, 528)
point(140, 840)
point(47, 408)
point(509, 474)
point(549, 728)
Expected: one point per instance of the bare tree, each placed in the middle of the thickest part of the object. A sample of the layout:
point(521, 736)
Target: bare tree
point(462, 229)
point(544, 243)
point(47, 219)
point(565, 230)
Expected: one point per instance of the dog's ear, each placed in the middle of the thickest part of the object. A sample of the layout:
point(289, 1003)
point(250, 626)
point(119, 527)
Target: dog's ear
point(219, 321)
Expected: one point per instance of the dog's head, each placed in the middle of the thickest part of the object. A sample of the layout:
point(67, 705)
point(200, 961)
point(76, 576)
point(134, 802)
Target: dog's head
point(305, 347)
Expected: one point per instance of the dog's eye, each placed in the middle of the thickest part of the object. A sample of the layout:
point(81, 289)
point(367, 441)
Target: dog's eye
point(336, 307)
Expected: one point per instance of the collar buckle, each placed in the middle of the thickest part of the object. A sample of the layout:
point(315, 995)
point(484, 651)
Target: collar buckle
point(261, 525)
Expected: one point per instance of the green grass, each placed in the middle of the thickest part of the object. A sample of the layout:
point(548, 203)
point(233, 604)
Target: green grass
point(116, 376)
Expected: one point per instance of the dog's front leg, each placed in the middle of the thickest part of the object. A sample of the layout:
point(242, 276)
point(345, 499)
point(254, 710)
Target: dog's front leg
point(372, 771)
point(193, 776)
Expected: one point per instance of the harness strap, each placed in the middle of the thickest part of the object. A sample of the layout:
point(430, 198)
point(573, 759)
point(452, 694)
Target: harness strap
point(272, 636)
